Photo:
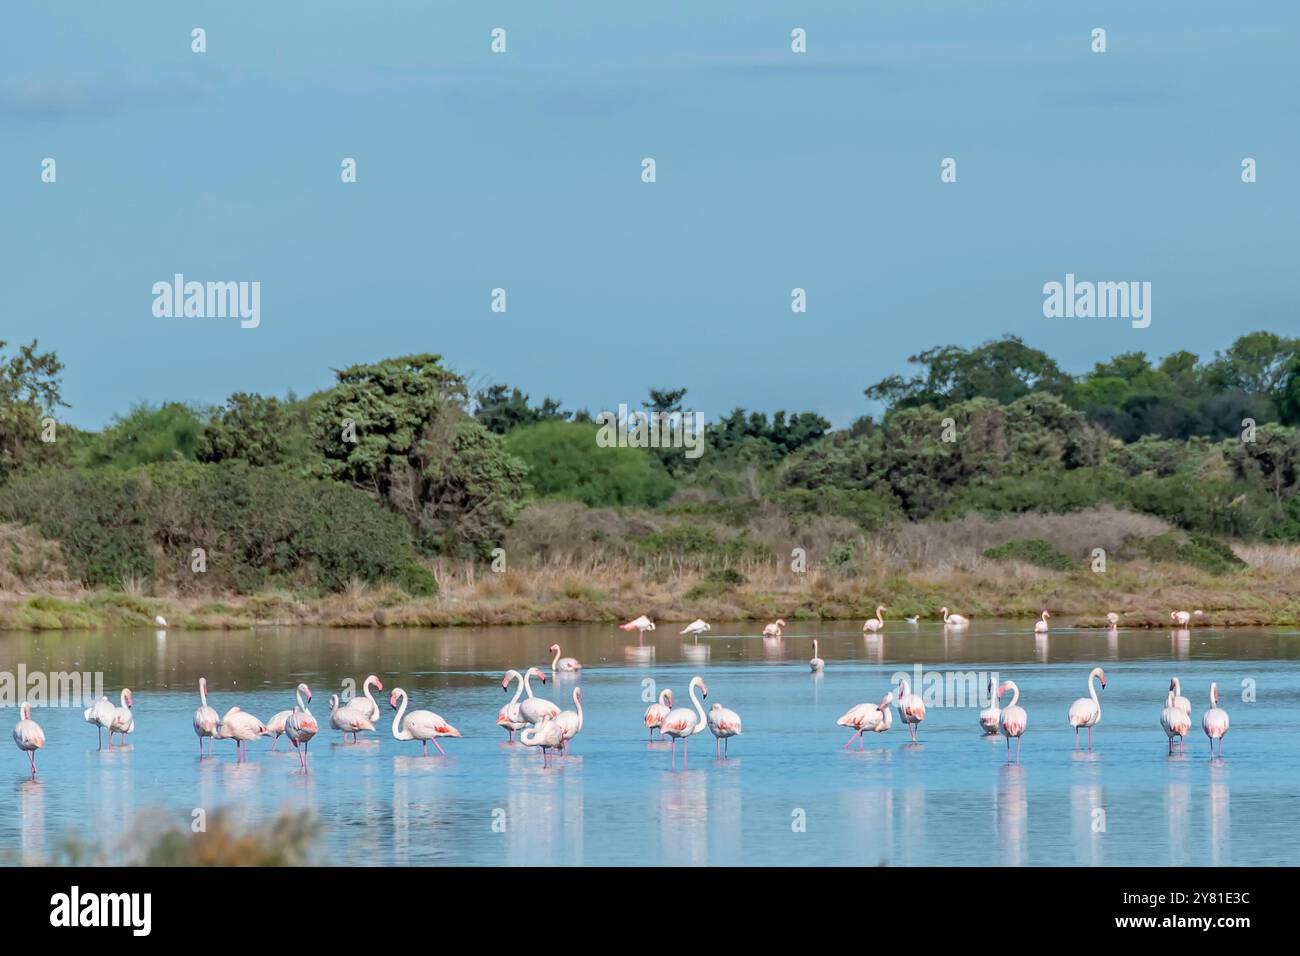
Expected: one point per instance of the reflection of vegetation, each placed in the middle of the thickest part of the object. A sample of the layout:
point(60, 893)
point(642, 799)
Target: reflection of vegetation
point(287, 841)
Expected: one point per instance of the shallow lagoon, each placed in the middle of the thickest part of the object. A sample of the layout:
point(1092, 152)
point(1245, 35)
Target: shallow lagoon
point(789, 794)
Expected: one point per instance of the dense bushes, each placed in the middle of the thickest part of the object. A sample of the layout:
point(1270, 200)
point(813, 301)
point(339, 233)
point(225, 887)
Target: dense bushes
point(1035, 551)
point(258, 527)
point(564, 461)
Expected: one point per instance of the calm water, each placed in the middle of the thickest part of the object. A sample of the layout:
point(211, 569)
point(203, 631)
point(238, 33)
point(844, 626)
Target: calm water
point(951, 799)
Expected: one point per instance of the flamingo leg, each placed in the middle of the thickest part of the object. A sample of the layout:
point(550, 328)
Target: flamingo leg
point(31, 755)
point(674, 761)
point(1018, 740)
point(426, 748)
point(686, 751)
point(853, 738)
point(1090, 740)
point(1076, 738)
point(726, 748)
point(101, 738)
point(717, 747)
point(440, 750)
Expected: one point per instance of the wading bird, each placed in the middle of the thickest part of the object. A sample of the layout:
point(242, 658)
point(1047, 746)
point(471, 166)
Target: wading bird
point(1215, 721)
point(1176, 721)
point(279, 721)
point(1112, 620)
point(508, 716)
point(421, 725)
point(1086, 711)
point(240, 727)
point(990, 716)
point(876, 623)
point(1013, 719)
point(1040, 626)
point(953, 620)
point(697, 627)
point(301, 728)
point(366, 703)
point(28, 734)
point(1181, 702)
point(774, 629)
point(536, 709)
point(640, 625)
point(563, 664)
point(100, 713)
point(348, 719)
point(911, 709)
point(570, 721)
point(724, 724)
point(123, 719)
point(205, 718)
point(876, 718)
point(816, 665)
point(548, 735)
point(681, 722)
point(655, 713)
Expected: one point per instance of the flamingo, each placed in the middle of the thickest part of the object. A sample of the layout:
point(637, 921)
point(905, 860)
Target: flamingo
point(548, 735)
point(1086, 711)
point(1181, 702)
point(654, 714)
point(875, 623)
point(100, 713)
point(278, 724)
point(640, 625)
point(28, 735)
point(566, 664)
point(911, 709)
point(1215, 721)
point(301, 728)
point(1176, 721)
point(205, 718)
point(508, 716)
point(774, 629)
point(953, 620)
point(681, 722)
point(1013, 718)
point(1112, 619)
point(874, 717)
point(570, 721)
point(1040, 626)
point(421, 725)
point(1181, 618)
point(990, 716)
point(160, 620)
point(914, 619)
point(816, 665)
point(242, 728)
point(368, 706)
point(724, 724)
point(348, 719)
point(123, 719)
point(697, 627)
point(536, 709)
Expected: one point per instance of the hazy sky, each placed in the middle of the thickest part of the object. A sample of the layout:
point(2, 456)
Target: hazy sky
point(522, 171)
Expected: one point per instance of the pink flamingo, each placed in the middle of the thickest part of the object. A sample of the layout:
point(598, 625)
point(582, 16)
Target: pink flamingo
point(205, 718)
point(724, 724)
point(816, 665)
point(1013, 718)
point(1176, 722)
point(421, 725)
point(911, 709)
point(278, 723)
point(1181, 702)
point(1040, 626)
point(697, 627)
point(508, 716)
point(566, 664)
point(570, 721)
point(655, 713)
point(774, 629)
point(240, 727)
point(953, 620)
point(1112, 620)
point(123, 719)
point(681, 722)
point(348, 719)
point(1215, 721)
point(991, 716)
point(28, 734)
point(640, 625)
point(301, 728)
point(548, 735)
point(100, 713)
point(876, 623)
point(1086, 711)
point(876, 718)
point(536, 709)
point(366, 703)
point(1181, 618)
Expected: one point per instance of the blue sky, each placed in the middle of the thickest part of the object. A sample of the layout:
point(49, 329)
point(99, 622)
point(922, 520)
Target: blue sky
point(523, 171)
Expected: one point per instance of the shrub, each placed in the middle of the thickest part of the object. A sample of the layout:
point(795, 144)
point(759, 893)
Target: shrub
point(564, 461)
point(1035, 551)
point(1197, 550)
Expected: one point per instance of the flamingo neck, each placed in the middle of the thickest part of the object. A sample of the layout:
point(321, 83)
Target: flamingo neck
point(298, 696)
point(519, 690)
point(122, 697)
point(556, 659)
point(365, 689)
point(577, 702)
point(1015, 695)
point(698, 707)
point(398, 732)
point(527, 685)
point(814, 647)
point(878, 614)
point(1178, 689)
point(203, 692)
point(1092, 687)
point(904, 689)
point(663, 697)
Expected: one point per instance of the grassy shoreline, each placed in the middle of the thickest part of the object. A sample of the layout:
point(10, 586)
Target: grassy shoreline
point(1143, 593)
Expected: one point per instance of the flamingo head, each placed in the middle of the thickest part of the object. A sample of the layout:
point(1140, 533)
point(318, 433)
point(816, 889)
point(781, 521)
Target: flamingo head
point(943, 612)
point(554, 648)
point(1101, 676)
point(130, 699)
point(577, 695)
point(505, 682)
point(669, 698)
point(889, 699)
point(704, 691)
point(1046, 615)
point(392, 700)
point(1003, 689)
point(1173, 615)
point(379, 684)
point(716, 707)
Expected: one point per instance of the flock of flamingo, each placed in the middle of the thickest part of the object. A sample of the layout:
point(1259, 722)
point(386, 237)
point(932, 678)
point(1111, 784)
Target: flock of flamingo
point(541, 723)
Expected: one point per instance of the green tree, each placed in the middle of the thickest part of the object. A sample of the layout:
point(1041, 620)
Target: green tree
point(29, 391)
point(500, 408)
point(249, 428)
point(564, 460)
point(148, 434)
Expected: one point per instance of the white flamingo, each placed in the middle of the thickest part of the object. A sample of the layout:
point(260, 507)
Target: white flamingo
point(990, 715)
point(1181, 702)
point(563, 664)
point(655, 713)
point(279, 721)
point(682, 722)
point(640, 625)
point(697, 627)
point(123, 719)
point(160, 621)
point(536, 709)
point(508, 716)
point(953, 620)
point(1112, 620)
point(301, 728)
point(876, 718)
point(548, 735)
point(348, 719)
point(1176, 722)
point(1086, 711)
point(1181, 618)
point(1040, 626)
point(876, 623)
point(570, 721)
point(28, 735)
point(724, 724)
point(1215, 721)
point(100, 713)
point(1013, 719)
point(911, 709)
point(205, 718)
point(816, 665)
point(775, 628)
point(240, 727)
point(366, 703)
point(421, 725)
